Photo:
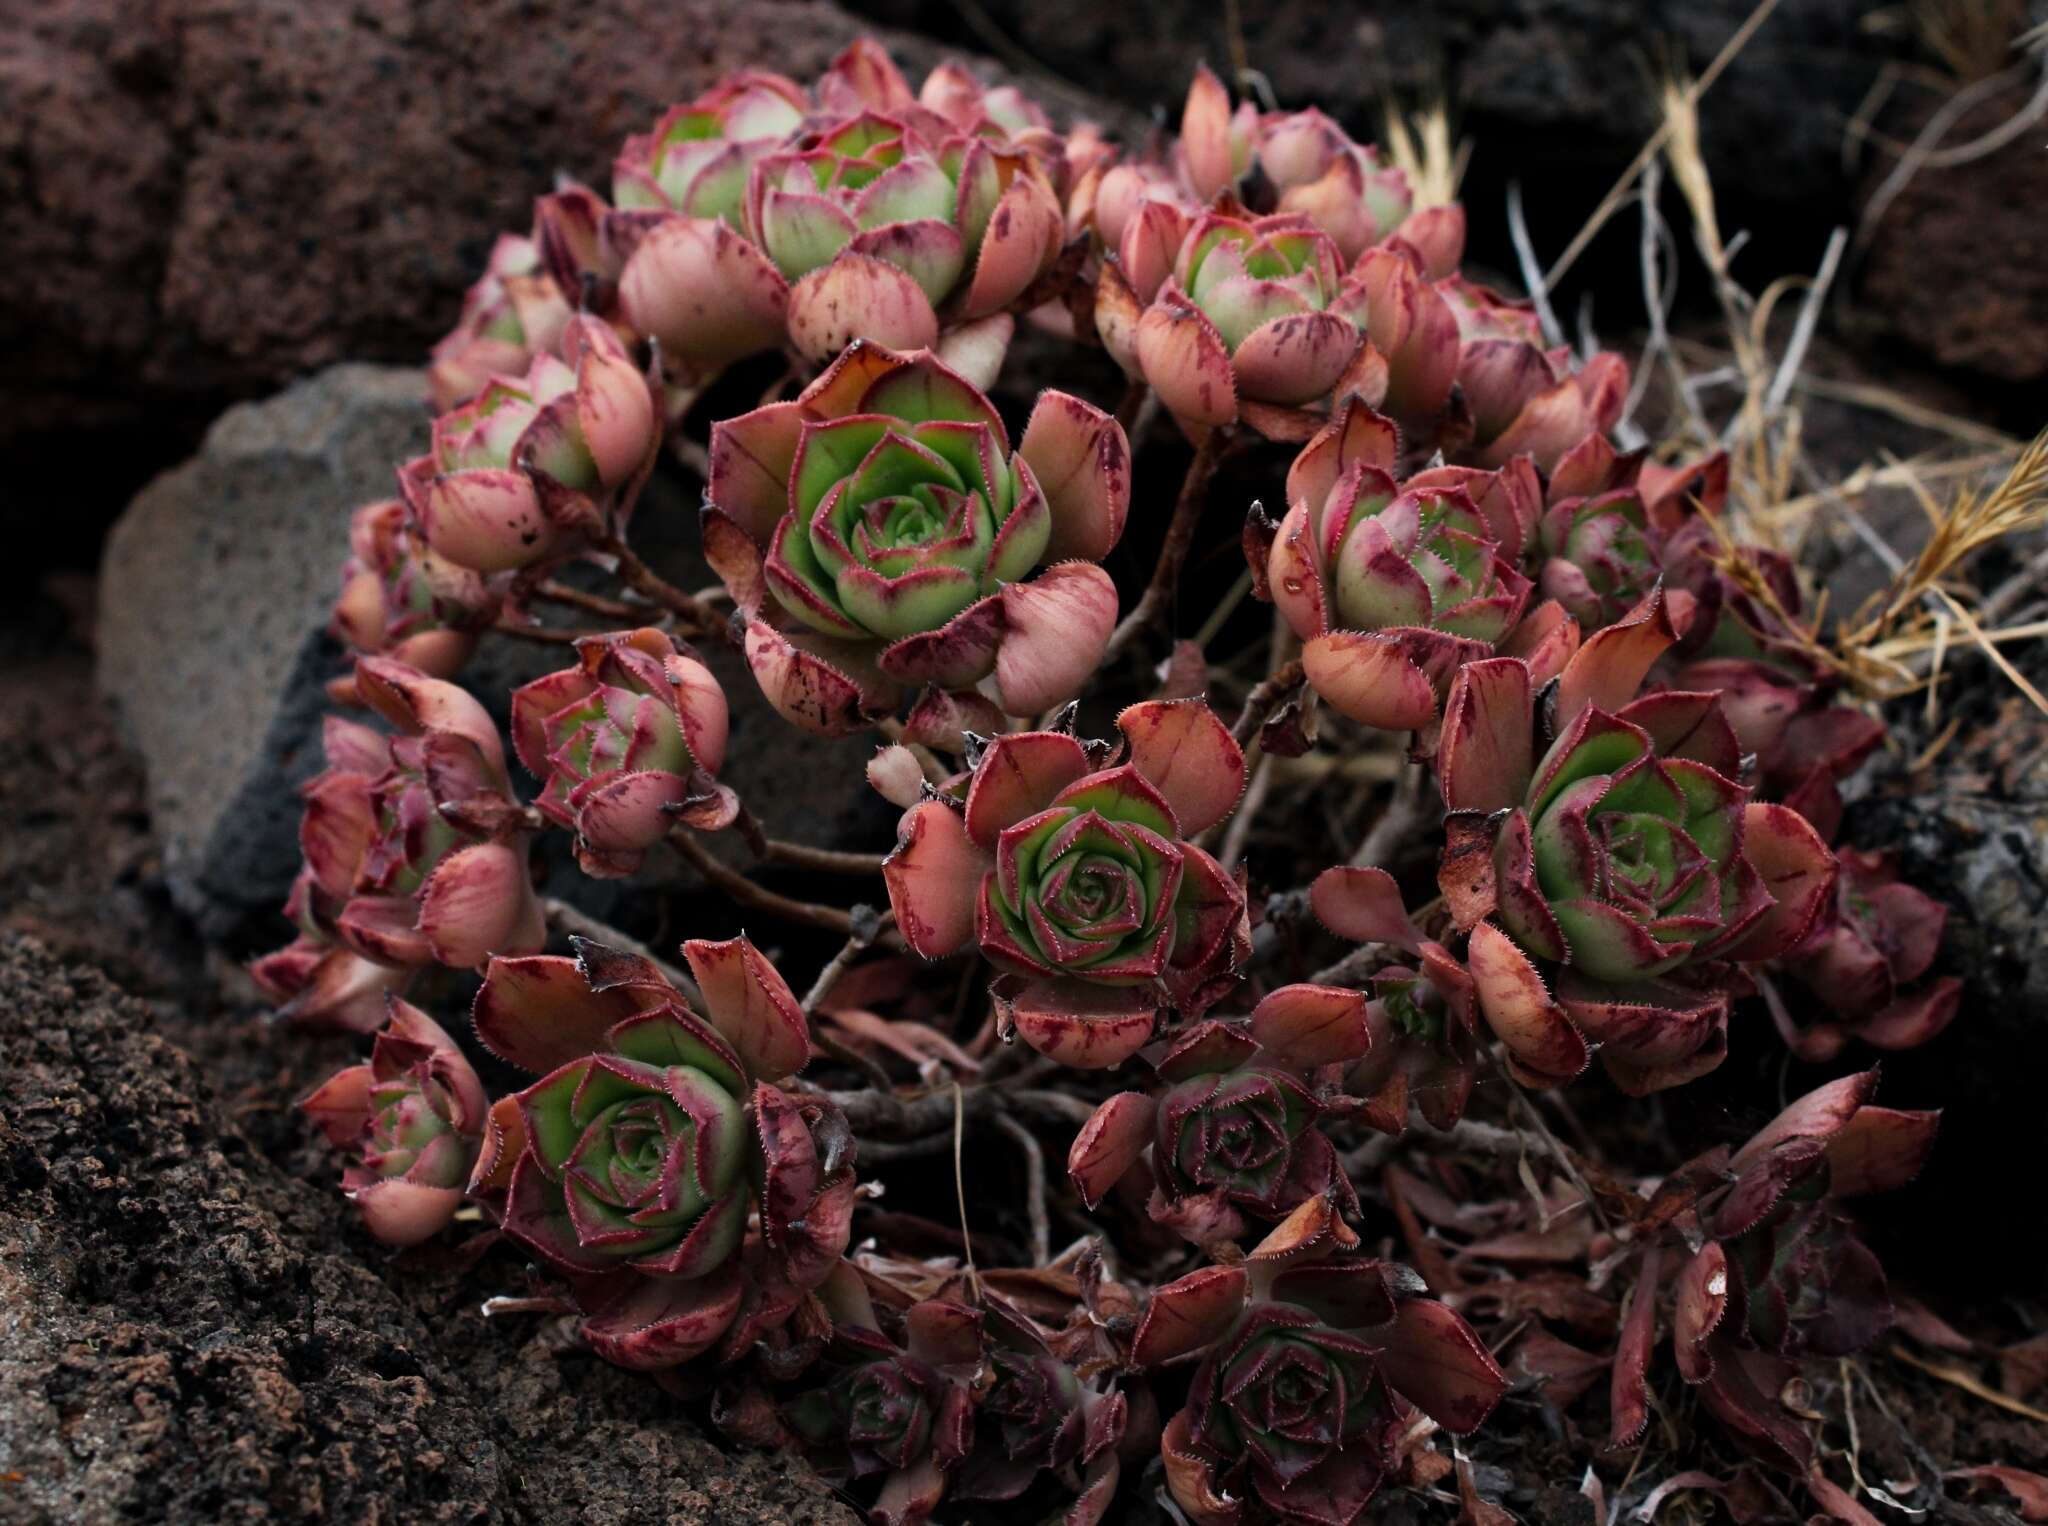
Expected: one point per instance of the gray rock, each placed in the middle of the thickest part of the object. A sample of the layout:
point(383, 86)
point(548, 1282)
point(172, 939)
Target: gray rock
point(215, 592)
point(215, 597)
point(1972, 831)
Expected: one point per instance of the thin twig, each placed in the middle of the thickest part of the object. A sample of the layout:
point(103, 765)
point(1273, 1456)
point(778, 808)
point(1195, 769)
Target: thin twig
point(796, 855)
point(1034, 1187)
point(592, 603)
point(858, 939)
point(1407, 815)
point(1153, 603)
point(644, 580)
point(547, 635)
point(759, 898)
point(960, 1186)
point(1619, 191)
point(1265, 698)
point(1809, 318)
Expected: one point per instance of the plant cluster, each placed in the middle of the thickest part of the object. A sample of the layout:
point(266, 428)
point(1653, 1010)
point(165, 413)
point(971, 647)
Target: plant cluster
point(1615, 753)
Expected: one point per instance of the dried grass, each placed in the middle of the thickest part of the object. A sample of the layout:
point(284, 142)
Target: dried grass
point(1746, 397)
point(1422, 145)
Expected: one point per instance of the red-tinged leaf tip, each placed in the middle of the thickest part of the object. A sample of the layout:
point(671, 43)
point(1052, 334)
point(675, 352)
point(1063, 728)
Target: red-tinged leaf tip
point(1796, 868)
point(479, 902)
point(1082, 461)
point(1019, 775)
point(1821, 1114)
point(1436, 1362)
point(2027, 1491)
point(1485, 758)
point(1184, 359)
point(1370, 679)
point(858, 296)
point(1310, 1025)
point(1055, 629)
point(1189, 1314)
point(651, 1323)
point(1109, 1144)
point(1186, 753)
point(538, 1012)
point(1192, 1481)
point(1629, 1396)
point(1700, 1300)
point(400, 1212)
point(805, 689)
point(1519, 1009)
point(1608, 669)
point(934, 879)
point(1364, 905)
point(751, 1006)
point(1088, 1027)
point(1879, 1149)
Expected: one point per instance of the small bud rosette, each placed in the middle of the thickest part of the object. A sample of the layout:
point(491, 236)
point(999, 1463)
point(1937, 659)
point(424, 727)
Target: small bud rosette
point(513, 313)
point(1625, 854)
point(760, 215)
point(413, 853)
point(1230, 1136)
point(1393, 586)
point(905, 1412)
point(1079, 880)
point(878, 531)
point(1038, 1416)
point(537, 463)
point(413, 1118)
point(1305, 164)
point(1260, 320)
point(399, 599)
point(629, 743)
point(1313, 1364)
point(632, 1165)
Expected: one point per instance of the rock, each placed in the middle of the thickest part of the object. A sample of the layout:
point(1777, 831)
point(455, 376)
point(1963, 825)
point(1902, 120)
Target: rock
point(216, 587)
point(216, 590)
point(1972, 831)
point(200, 199)
point(1557, 93)
point(1958, 263)
point(189, 1333)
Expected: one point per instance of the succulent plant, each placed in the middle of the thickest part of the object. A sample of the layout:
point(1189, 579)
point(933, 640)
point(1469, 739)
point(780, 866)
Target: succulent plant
point(1864, 962)
point(904, 1412)
point(635, 1165)
point(629, 742)
point(879, 222)
point(401, 600)
point(1626, 853)
point(1313, 1361)
point(536, 461)
point(1303, 163)
point(413, 1116)
point(1230, 1134)
point(513, 313)
point(1523, 398)
point(1391, 587)
point(414, 850)
point(1425, 1017)
point(1638, 734)
point(880, 531)
point(759, 214)
point(1777, 1273)
point(1079, 880)
point(1037, 1415)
